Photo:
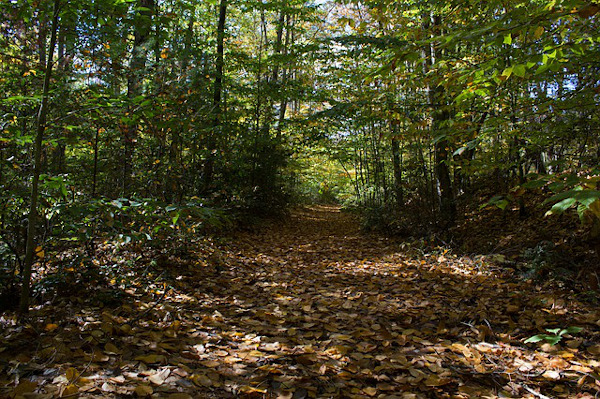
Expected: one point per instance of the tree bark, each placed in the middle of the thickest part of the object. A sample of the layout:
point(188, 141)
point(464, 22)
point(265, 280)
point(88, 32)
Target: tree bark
point(217, 93)
point(32, 218)
point(397, 166)
point(440, 115)
point(142, 30)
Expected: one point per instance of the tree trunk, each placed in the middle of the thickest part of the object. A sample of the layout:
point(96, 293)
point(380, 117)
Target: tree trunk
point(289, 40)
point(217, 93)
point(397, 166)
point(142, 30)
point(440, 116)
point(40, 127)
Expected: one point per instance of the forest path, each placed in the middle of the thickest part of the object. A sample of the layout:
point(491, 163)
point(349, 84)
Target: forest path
point(326, 311)
point(309, 308)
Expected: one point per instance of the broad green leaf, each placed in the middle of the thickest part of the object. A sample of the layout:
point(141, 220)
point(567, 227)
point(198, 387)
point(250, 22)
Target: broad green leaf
point(571, 330)
point(561, 206)
point(535, 338)
point(519, 70)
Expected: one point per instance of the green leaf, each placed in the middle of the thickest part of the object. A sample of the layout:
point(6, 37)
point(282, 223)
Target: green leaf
point(519, 70)
point(176, 217)
point(535, 338)
point(535, 184)
point(542, 68)
point(553, 340)
point(572, 330)
point(562, 206)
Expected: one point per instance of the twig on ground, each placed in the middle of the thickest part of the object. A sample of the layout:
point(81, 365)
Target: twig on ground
point(535, 393)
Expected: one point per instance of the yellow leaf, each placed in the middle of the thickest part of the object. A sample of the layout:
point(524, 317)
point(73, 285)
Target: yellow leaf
point(202, 380)
point(39, 252)
point(248, 389)
point(143, 390)
point(370, 391)
point(69, 390)
point(434, 381)
point(51, 327)
point(595, 208)
point(539, 31)
point(71, 374)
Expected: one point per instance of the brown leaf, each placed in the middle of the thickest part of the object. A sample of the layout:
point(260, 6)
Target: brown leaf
point(24, 387)
point(594, 349)
point(150, 359)
point(111, 349)
point(433, 380)
point(371, 391)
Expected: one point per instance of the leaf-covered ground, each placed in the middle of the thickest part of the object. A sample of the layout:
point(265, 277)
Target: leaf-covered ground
point(308, 308)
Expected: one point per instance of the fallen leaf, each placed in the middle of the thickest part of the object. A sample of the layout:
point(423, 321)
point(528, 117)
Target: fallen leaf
point(143, 390)
point(433, 380)
point(71, 374)
point(150, 359)
point(202, 380)
point(70, 390)
point(24, 387)
point(160, 377)
point(594, 349)
point(111, 349)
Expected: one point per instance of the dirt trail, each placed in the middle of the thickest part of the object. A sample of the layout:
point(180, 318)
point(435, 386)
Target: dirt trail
point(312, 308)
point(349, 315)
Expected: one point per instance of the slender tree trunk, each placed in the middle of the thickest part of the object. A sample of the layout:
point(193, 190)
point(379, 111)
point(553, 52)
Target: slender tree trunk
point(289, 40)
point(143, 24)
point(397, 166)
point(59, 152)
point(32, 218)
point(95, 172)
point(42, 36)
point(217, 93)
point(440, 116)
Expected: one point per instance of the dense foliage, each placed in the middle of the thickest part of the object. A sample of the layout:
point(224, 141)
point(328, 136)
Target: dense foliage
point(118, 116)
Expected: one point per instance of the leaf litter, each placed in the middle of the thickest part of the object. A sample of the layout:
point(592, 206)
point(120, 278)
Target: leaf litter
point(310, 308)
